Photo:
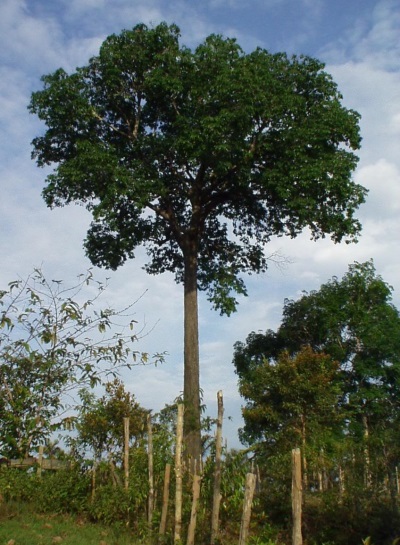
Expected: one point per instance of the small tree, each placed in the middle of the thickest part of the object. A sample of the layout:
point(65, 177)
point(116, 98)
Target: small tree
point(292, 403)
point(203, 156)
point(51, 341)
point(99, 424)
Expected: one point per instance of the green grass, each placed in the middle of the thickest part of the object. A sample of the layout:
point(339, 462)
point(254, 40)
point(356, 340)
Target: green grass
point(20, 526)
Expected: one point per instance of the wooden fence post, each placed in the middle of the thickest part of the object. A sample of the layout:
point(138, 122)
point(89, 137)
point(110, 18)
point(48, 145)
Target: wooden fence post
point(126, 451)
point(217, 471)
point(151, 473)
point(178, 474)
point(248, 499)
point(164, 511)
point(193, 515)
point(297, 538)
point(94, 470)
point(40, 460)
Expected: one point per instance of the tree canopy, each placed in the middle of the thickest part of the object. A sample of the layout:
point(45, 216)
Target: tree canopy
point(201, 156)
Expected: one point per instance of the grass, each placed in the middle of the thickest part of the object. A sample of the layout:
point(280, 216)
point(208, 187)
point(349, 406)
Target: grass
point(20, 526)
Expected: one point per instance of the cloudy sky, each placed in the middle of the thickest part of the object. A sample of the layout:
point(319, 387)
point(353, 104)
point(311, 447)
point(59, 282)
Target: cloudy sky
point(359, 42)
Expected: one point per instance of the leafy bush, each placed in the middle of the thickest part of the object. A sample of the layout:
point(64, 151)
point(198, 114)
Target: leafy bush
point(65, 491)
point(18, 486)
point(110, 505)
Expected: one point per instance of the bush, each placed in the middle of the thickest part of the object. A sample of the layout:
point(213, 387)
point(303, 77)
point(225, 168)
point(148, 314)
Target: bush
point(18, 486)
point(110, 505)
point(65, 491)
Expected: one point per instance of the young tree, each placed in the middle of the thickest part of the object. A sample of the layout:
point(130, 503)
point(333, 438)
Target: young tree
point(292, 402)
point(100, 425)
point(51, 340)
point(202, 156)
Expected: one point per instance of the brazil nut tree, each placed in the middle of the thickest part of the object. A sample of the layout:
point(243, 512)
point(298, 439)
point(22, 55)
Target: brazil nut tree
point(200, 155)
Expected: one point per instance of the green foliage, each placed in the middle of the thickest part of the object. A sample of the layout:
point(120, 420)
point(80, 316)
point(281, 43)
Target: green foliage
point(111, 505)
point(291, 401)
point(235, 466)
point(358, 513)
point(64, 491)
point(52, 340)
point(168, 146)
point(354, 321)
point(18, 486)
point(100, 425)
point(328, 381)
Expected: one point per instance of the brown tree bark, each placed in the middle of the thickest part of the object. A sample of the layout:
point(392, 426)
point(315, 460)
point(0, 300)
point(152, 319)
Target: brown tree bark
point(297, 538)
point(248, 500)
point(191, 388)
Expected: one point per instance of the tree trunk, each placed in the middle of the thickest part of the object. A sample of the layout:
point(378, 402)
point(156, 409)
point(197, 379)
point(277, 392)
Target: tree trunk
point(297, 538)
point(191, 388)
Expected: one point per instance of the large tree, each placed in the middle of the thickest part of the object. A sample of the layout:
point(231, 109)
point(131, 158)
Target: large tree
point(202, 156)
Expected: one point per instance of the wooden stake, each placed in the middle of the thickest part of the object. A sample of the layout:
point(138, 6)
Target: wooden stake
point(151, 473)
point(40, 460)
point(217, 471)
point(193, 515)
point(248, 500)
point(164, 511)
point(94, 468)
point(297, 538)
point(178, 474)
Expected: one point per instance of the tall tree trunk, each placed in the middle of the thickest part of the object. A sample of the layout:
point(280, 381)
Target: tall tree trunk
point(191, 388)
point(297, 498)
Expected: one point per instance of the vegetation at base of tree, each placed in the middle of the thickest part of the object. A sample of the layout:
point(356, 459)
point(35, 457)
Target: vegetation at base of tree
point(328, 381)
point(54, 338)
point(71, 491)
point(201, 156)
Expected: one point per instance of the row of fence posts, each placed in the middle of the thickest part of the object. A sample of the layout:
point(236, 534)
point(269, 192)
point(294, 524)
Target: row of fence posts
point(249, 486)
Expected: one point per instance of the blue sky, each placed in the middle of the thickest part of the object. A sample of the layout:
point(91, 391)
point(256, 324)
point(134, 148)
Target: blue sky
point(359, 42)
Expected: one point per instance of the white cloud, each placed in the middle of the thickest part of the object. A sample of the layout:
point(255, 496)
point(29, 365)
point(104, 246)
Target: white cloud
point(26, 40)
point(373, 38)
point(383, 181)
point(381, 46)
